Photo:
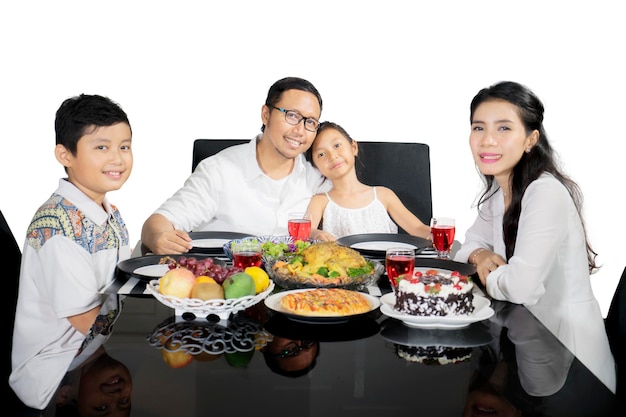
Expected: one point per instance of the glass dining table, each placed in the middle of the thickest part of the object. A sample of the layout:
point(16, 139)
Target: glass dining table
point(259, 362)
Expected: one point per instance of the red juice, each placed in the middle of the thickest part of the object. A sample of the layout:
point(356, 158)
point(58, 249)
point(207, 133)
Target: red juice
point(299, 229)
point(246, 259)
point(443, 237)
point(399, 265)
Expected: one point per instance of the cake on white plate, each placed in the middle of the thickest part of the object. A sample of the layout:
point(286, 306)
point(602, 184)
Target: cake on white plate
point(434, 355)
point(435, 293)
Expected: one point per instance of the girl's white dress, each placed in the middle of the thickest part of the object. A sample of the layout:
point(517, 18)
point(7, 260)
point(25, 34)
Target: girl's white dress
point(373, 218)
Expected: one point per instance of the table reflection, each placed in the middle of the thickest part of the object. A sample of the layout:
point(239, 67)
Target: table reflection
point(259, 362)
point(527, 371)
point(102, 385)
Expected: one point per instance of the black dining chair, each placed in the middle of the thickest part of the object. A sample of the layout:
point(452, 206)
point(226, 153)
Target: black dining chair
point(402, 166)
point(12, 258)
point(203, 148)
point(616, 331)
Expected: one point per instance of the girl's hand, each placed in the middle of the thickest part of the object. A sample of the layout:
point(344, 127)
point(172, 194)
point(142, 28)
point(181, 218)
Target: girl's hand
point(322, 235)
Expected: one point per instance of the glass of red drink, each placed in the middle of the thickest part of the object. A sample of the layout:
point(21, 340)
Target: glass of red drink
point(442, 230)
point(247, 253)
point(399, 261)
point(299, 226)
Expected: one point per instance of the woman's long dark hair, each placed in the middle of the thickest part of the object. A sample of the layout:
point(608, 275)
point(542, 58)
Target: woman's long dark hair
point(541, 159)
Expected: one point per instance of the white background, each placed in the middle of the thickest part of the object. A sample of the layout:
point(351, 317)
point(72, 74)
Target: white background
point(390, 71)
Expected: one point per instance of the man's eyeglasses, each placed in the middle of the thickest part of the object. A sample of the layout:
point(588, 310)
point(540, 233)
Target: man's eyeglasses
point(293, 118)
point(293, 348)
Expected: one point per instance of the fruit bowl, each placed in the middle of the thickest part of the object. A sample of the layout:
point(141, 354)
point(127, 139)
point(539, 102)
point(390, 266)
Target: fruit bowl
point(202, 308)
point(202, 340)
point(358, 283)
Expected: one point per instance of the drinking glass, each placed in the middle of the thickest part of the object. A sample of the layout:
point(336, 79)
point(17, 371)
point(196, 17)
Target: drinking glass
point(442, 230)
point(399, 261)
point(299, 226)
point(247, 253)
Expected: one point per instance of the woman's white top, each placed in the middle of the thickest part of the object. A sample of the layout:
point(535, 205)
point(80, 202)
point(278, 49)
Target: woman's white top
point(548, 272)
point(373, 218)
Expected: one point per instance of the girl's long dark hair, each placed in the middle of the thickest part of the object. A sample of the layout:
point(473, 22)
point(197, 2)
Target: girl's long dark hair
point(541, 159)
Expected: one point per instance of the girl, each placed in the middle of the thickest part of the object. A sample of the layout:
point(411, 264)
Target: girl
point(352, 207)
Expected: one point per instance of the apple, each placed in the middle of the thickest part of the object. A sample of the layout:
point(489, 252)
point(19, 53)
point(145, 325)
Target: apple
point(177, 282)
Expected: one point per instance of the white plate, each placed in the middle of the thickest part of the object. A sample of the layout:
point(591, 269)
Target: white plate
point(209, 243)
point(273, 303)
point(476, 334)
point(381, 246)
point(152, 270)
point(482, 311)
point(376, 244)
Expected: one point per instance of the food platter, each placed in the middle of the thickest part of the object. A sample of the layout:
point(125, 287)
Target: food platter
point(147, 267)
point(273, 303)
point(212, 242)
point(227, 247)
point(359, 283)
point(482, 311)
point(376, 244)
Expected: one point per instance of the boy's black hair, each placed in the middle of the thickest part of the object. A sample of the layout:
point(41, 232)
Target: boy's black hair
point(81, 114)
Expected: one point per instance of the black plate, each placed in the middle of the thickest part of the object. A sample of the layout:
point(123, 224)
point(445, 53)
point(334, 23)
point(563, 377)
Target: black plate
point(465, 269)
point(359, 327)
point(126, 269)
point(218, 249)
point(419, 243)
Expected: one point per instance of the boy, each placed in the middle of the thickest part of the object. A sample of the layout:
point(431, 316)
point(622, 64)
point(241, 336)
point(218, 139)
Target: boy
point(73, 243)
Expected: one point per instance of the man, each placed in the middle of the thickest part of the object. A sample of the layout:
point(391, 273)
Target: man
point(249, 188)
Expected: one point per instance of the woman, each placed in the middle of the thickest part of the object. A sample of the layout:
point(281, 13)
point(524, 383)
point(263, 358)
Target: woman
point(529, 242)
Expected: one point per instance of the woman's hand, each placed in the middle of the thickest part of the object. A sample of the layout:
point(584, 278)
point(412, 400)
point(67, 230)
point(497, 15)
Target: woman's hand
point(485, 262)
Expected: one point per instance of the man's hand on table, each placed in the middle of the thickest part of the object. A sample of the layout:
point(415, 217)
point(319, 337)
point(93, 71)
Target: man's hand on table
point(160, 236)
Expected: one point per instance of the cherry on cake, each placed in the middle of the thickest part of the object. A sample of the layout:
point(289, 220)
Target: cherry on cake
point(435, 293)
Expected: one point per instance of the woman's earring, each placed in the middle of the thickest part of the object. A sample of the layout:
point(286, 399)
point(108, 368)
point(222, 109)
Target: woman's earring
point(528, 150)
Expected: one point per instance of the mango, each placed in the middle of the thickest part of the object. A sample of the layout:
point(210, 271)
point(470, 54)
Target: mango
point(239, 359)
point(239, 285)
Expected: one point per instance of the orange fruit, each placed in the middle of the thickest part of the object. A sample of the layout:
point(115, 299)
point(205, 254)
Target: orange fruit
point(204, 278)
